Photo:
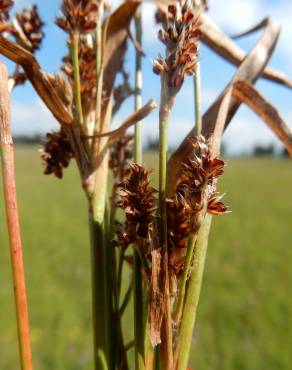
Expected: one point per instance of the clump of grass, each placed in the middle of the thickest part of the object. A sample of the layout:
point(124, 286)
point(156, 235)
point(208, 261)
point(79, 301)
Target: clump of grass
point(168, 232)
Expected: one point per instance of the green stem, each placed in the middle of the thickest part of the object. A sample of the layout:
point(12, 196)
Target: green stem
point(187, 267)
point(193, 295)
point(126, 300)
point(139, 327)
point(99, 72)
point(138, 89)
point(77, 82)
point(198, 103)
point(165, 106)
point(98, 297)
point(192, 238)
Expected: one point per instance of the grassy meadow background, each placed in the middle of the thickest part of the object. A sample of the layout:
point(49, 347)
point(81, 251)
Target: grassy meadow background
point(245, 315)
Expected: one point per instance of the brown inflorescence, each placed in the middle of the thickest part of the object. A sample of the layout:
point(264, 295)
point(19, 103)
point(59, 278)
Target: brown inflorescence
point(178, 228)
point(31, 25)
point(78, 16)
point(5, 6)
point(180, 34)
point(195, 195)
point(136, 198)
point(56, 153)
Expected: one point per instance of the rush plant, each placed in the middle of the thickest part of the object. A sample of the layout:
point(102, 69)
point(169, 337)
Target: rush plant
point(161, 235)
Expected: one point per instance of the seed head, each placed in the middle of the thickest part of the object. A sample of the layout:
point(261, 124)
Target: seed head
point(180, 34)
point(178, 229)
point(56, 153)
point(78, 16)
point(136, 198)
point(5, 6)
point(30, 25)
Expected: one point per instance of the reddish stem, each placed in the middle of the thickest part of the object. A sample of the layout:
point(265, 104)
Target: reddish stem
point(7, 158)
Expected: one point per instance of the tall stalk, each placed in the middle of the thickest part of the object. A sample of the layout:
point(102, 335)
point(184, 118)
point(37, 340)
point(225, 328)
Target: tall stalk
point(102, 258)
point(166, 103)
point(192, 238)
point(76, 71)
point(139, 314)
point(193, 295)
point(8, 173)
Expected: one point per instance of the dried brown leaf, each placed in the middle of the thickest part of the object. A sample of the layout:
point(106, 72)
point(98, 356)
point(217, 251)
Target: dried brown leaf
point(114, 48)
point(223, 45)
point(249, 95)
point(155, 313)
point(250, 69)
point(41, 81)
point(137, 116)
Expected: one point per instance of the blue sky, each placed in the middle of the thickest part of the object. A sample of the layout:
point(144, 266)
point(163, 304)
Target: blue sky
point(233, 16)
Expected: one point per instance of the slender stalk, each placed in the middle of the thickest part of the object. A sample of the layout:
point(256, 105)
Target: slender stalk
point(77, 82)
point(193, 295)
point(139, 312)
point(99, 70)
point(9, 185)
point(98, 298)
point(166, 102)
point(198, 99)
point(192, 238)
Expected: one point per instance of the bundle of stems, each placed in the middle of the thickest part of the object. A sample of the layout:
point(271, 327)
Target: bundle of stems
point(163, 235)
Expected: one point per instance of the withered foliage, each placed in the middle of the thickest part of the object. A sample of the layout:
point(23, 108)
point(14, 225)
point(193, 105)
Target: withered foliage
point(136, 198)
point(56, 153)
point(29, 33)
point(78, 16)
point(180, 34)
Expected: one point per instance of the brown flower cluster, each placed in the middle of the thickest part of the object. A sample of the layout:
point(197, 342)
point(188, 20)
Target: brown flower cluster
point(56, 153)
point(78, 16)
point(195, 195)
point(29, 33)
point(180, 34)
point(136, 198)
point(5, 6)
point(120, 154)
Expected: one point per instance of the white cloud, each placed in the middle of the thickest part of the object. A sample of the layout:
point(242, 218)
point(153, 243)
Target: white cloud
point(236, 15)
point(29, 119)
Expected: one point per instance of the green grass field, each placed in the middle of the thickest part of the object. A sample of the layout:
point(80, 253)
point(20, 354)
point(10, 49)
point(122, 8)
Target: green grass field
point(245, 315)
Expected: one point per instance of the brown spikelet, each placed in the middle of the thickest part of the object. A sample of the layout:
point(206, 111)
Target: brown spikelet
point(28, 31)
point(178, 227)
point(180, 34)
point(56, 153)
point(136, 198)
point(215, 206)
point(78, 16)
point(195, 195)
point(5, 6)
